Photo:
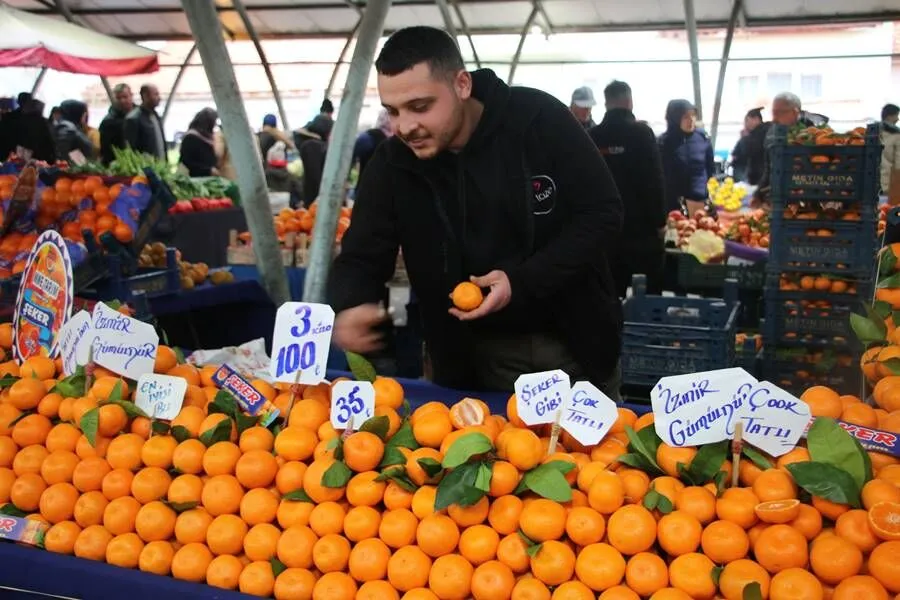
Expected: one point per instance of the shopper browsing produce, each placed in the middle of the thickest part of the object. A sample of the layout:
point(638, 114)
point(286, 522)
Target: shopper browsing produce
point(495, 184)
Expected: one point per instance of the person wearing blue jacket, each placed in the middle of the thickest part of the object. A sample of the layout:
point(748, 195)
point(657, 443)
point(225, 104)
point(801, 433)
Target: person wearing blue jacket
point(687, 158)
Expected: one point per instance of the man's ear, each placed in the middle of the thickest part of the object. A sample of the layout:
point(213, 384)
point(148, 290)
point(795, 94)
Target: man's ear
point(462, 83)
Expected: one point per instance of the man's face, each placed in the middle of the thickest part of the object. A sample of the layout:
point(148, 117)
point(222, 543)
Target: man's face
point(124, 100)
point(784, 113)
point(751, 123)
point(425, 111)
point(892, 119)
point(151, 97)
point(582, 114)
point(689, 121)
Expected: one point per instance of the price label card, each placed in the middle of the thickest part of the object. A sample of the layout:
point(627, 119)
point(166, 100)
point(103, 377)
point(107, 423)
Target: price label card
point(695, 409)
point(75, 341)
point(121, 344)
point(774, 420)
point(301, 342)
point(539, 396)
point(589, 415)
point(160, 396)
point(352, 404)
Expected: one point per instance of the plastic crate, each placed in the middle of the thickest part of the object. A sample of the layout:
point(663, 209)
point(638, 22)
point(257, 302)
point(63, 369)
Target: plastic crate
point(789, 314)
point(817, 246)
point(799, 367)
point(859, 284)
point(834, 173)
point(675, 335)
point(694, 275)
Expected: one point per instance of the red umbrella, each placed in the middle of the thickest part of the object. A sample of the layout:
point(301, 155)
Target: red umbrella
point(30, 40)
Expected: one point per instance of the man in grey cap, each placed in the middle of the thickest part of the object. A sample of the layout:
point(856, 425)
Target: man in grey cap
point(581, 105)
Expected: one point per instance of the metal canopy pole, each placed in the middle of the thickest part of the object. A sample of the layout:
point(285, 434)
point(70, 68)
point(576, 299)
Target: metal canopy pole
point(522, 38)
point(720, 84)
point(177, 82)
point(341, 57)
point(38, 81)
point(204, 22)
point(690, 21)
point(340, 150)
point(465, 28)
point(448, 18)
point(251, 31)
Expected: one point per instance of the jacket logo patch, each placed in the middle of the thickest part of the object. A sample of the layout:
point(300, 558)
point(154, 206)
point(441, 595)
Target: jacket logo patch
point(544, 190)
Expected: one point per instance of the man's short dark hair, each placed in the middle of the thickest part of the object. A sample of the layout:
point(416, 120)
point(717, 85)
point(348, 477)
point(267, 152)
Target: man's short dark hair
point(23, 98)
point(617, 91)
point(408, 47)
point(755, 113)
point(145, 89)
point(122, 87)
point(889, 110)
point(327, 107)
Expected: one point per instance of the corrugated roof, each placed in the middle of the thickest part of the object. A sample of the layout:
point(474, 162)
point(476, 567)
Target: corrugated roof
point(164, 19)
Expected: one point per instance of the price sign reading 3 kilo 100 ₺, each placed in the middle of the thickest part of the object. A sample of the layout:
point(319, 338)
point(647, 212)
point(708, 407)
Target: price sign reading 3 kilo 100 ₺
point(352, 404)
point(301, 342)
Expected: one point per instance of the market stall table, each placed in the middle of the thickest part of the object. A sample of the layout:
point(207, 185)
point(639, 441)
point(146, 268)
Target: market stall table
point(201, 236)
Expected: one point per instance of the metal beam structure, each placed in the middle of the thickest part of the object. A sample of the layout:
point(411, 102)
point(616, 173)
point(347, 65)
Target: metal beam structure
point(260, 51)
point(690, 21)
point(67, 14)
point(465, 29)
point(522, 37)
point(38, 81)
point(736, 9)
point(449, 25)
point(340, 151)
point(207, 30)
point(341, 57)
point(544, 17)
point(177, 81)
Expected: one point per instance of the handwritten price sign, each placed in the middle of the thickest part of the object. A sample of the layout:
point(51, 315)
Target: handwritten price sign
point(589, 415)
point(774, 420)
point(74, 341)
point(160, 396)
point(539, 396)
point(352, 403)
point(697, 408)
point(121, 344)
point(301, 342)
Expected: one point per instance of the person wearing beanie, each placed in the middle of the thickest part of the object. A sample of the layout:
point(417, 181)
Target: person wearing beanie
point(270, 135)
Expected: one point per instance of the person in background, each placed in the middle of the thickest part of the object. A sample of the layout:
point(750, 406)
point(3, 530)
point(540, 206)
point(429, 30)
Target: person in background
point(632, 155)
point(223, 156)
point(11, 132)
point(687, 158)
point(319, 128)
point(69, 131)
point(55, 115)
point(890, 138)
point(493, 185)
point(269, 135)
point(582, 105)
point(749, 149)
point(198, 153)
point(112, 127)
point(143, 127)
point(93, 134)
point(368, 141)
point(29, 129)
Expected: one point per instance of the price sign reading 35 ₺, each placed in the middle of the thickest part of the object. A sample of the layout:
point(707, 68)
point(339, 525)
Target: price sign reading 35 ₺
point(352, 404)
point(301, 342)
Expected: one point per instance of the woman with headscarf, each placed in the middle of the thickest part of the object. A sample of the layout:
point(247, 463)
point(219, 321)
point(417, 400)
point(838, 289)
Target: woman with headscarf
point(687, 157)
point(69, 131)
point(369, 140)
point(198, 153)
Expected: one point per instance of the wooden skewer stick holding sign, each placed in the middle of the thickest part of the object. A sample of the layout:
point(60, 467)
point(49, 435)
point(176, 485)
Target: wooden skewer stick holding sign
point(89, 371)
point(295, 389)
point(554, 432)
point(737, 447)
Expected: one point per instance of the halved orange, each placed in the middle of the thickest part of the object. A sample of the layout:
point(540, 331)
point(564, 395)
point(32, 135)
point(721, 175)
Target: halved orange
point(468, 412)
point(884, 519)
point(778, 511)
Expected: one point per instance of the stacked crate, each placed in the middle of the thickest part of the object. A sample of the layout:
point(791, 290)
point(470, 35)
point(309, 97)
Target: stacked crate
point(821, 264)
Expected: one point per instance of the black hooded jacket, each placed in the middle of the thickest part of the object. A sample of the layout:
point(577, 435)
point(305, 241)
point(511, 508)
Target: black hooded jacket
point(687, 158)
point(529, 194)
point(69, 133)
point(112, 134)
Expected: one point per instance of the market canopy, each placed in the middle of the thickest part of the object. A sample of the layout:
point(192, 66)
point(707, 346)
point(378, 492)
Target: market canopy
point(165, 20)
point(31, 40)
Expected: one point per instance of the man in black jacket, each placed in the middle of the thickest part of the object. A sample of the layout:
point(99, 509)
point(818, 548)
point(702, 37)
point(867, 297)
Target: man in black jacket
point(632, 154)
point(492, 184)
point(112, 127)
point(143, 127)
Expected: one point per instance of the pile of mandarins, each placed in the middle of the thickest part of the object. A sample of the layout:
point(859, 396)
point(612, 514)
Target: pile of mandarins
point(300, 511)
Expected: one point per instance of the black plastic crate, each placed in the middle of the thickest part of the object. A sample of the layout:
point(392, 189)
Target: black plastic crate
point(815, 246)
point(694, 275)
point(796, 368)
point(673, 335)
point(830, 172)
point(790, 314)
point(853, 284)
point(148, 282)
